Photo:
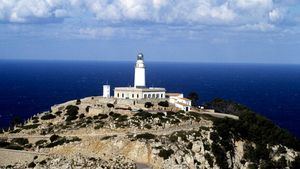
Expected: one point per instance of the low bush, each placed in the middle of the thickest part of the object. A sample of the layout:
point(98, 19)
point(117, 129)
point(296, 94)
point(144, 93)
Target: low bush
point(122, 118)
point(114, 115)
point(81, 116)
point(40, 142)
point(190, 145)
point(108, 137)
point(31, 165)
point(78, 102)
point(3, 143)
point(48, 117)
point(58, 113)
point(54, 137)
point(98, 126)
point(14, 147)
point(146, 136)
point(87, 109)
point(164, 103)
point(71, 118)
point(165, 153)
point(30, 126)
point(72, 110)
point(102, 116)
point(35, 121)
point(20, 141)
point(147, 126)
point(209, 159)
point(15, 131)
point(56, 143)
point(109, 105)
point(148, 105)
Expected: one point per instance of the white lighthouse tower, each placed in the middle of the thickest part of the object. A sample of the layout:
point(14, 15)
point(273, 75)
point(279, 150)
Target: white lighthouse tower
point(139, 73)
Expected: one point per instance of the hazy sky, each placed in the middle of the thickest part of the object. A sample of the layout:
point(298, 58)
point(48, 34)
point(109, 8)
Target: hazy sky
point(263, 31)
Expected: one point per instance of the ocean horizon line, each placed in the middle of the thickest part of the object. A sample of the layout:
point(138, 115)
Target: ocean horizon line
point(150, 61)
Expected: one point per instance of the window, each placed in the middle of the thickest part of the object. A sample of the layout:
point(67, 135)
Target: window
point(132, 95)
point(162, 95)
point(145, 96)
point(118, 94)
point(153, 95)
point(137, 95)
point(157, 95)
point(122, 95)
point(149, 95)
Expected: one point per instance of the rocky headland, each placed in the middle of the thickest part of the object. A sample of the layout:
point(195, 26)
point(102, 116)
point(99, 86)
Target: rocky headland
point(98, 132)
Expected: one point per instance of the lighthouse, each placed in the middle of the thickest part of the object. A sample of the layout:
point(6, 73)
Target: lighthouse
point(139, 73)
point(139, 91)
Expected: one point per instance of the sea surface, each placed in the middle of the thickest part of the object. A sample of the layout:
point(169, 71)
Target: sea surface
point(29, 87)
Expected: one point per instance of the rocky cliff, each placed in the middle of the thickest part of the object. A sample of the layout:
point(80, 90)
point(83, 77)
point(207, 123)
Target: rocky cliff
point(105, 133)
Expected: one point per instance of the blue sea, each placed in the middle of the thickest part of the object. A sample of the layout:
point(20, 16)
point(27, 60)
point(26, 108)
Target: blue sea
point(29, 87)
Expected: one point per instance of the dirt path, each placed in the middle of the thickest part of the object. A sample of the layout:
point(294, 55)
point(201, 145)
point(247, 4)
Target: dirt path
point(8, 157)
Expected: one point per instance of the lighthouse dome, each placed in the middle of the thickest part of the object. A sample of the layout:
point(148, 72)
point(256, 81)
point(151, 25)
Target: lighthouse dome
point(140, 56)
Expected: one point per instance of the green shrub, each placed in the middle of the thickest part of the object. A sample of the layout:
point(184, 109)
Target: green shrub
point(48, 117)
point(190, 145)
point(220, 155)
point(71, 118)
point(14, 147)
point(209, 159)
point(72, 110)
point(81, 116)
point(78, 102)
point(122, 118)
point(100, 125)
point(87, 109)
point(58, 113)
point(54, 137)
point(35, 121)
point(102, 116)
point(165, 153)
point(143, 115)
point(114, 115)
point(296, 163)
point(164, 103)
point(281, 150)
point(281, 163)
point(20, 141)
point(31, 165)
point(43, 162)
point(4, 143)
point(56, 143)
point(146, 136)
point(30, 126)
point(147, 126)
point(15, 131)
point(40, 142)
point(109, 105)
point(108, 137)
point(148, 105)
point(250, 126)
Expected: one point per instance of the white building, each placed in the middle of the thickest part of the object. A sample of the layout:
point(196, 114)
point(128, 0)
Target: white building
point(179, 101)
point(106, 91)
point(139, 91)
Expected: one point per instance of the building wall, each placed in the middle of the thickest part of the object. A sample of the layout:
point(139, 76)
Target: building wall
point(138, 95)
point(184, 101)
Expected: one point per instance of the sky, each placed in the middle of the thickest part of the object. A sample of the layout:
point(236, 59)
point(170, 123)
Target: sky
point(221, 31)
